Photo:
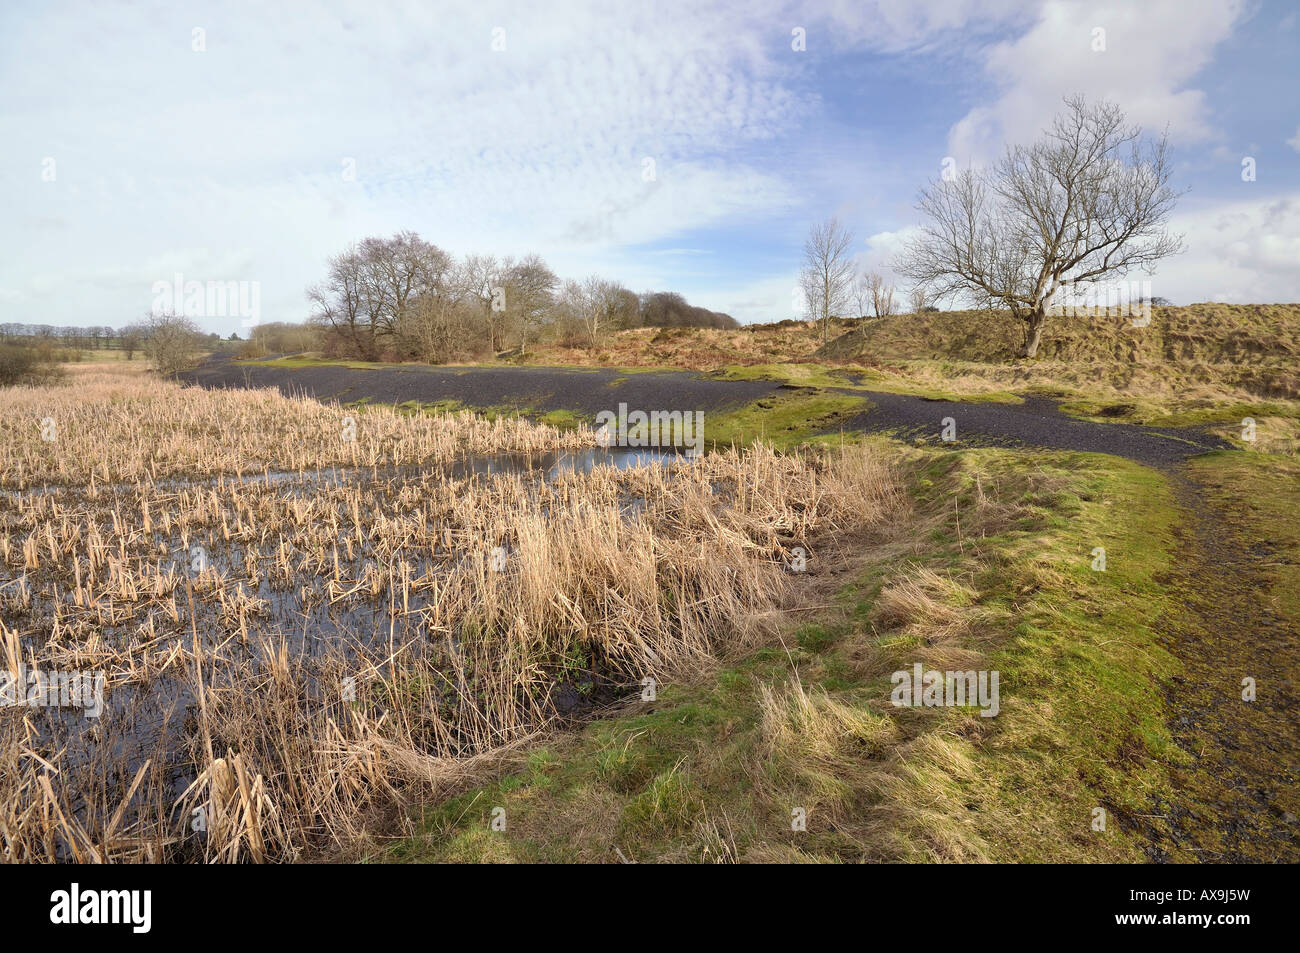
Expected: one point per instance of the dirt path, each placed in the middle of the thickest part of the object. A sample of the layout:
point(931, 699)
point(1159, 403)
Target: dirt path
point(1236, 800)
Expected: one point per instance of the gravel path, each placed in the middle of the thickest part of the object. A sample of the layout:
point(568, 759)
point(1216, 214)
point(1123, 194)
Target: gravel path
point(587, 391)
point(1035, 423)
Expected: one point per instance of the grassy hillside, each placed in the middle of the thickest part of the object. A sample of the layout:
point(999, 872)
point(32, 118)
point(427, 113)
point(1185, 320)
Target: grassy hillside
point(1201, 364)
point(1199, 333)
point(1211, 334)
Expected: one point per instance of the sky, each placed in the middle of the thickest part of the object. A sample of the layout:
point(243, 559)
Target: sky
point(683, 146)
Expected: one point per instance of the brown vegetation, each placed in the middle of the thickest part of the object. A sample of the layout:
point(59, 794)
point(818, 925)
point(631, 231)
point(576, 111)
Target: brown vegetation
point(286, 653)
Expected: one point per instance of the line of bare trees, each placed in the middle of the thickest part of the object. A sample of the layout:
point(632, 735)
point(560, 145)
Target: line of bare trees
point(835, 286)
point(1088, 201)
point(404, 298)
point(90, 337)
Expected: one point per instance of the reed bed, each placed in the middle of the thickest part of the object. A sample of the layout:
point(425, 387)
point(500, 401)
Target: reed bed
point(288, 658)
point(115, 428)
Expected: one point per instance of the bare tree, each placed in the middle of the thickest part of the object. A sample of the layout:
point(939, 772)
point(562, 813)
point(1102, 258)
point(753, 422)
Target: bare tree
point(1088, 200)
point(131, 338)
point(881, 293)
point(172, 343)
point(341, 304)
point(372, 288)
point(440, 328)
point(530, 292)
point(861, 294)
point(395, 272)
point(919, 299)
point(600, 306)
point(827, 277)
point(480, 277)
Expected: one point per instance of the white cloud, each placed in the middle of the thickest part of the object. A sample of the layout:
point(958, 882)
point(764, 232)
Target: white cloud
point(881, 250)
point(227, 164)
point(1152, 50)
point(1294, 141)
point(1238, 252)
point(768, 299)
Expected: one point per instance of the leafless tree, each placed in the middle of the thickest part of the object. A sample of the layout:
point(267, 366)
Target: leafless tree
point(827, 277)
point(441, 328)
point(131, 338)
point(861, 294)
point(918, 298)
point(341, 304)
point(1088, 200)
point(530, 292)
point(598, 306)
point(881, 295)
point(172, 343)
point(395, 272)
point(480, 277)
point(372, 287)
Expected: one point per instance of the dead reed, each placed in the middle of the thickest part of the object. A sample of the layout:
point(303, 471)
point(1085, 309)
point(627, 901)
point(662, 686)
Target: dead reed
point(286, 653)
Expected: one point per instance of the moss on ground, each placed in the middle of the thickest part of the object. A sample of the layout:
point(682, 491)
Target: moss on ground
point(713, 768)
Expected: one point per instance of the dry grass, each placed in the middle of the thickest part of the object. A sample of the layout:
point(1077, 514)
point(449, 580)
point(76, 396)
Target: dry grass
point(1200, 355)
point(117, 425)
point(348, 639)
point(705, 349)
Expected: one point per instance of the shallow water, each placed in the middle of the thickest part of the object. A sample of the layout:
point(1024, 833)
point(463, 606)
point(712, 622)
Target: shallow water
point(548, 465)
point(149, 721)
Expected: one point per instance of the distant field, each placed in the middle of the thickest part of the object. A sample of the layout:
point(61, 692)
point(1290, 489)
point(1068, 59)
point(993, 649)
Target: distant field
point(105, 354)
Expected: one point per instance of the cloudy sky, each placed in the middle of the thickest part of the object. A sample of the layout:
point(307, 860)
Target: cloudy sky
point(683, 146)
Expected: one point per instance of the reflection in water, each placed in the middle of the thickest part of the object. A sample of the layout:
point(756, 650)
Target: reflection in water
point(303, 618)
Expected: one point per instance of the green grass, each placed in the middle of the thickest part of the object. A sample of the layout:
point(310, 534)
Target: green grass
point(1155, 413)
point(796, 375)
point(560, 419)
point(785, 419)
point(856, 378)
point(1262, 494)
point(688, 777)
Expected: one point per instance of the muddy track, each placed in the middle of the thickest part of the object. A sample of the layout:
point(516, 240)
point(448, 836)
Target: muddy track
point(1237, 797)
point(586, 391)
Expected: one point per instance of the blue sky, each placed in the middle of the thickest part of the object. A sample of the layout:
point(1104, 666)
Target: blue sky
point(131, 156)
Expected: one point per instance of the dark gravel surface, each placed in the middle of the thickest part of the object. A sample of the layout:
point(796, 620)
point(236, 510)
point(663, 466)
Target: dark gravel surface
point(1035, 423)
point(533, 389)
point(536, 390)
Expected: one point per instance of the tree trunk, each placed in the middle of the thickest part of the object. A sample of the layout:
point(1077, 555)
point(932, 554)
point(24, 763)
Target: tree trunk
point(1033, 333)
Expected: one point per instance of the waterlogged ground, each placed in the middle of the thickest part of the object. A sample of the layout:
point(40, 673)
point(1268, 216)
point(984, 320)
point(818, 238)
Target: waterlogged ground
point(242, 597)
